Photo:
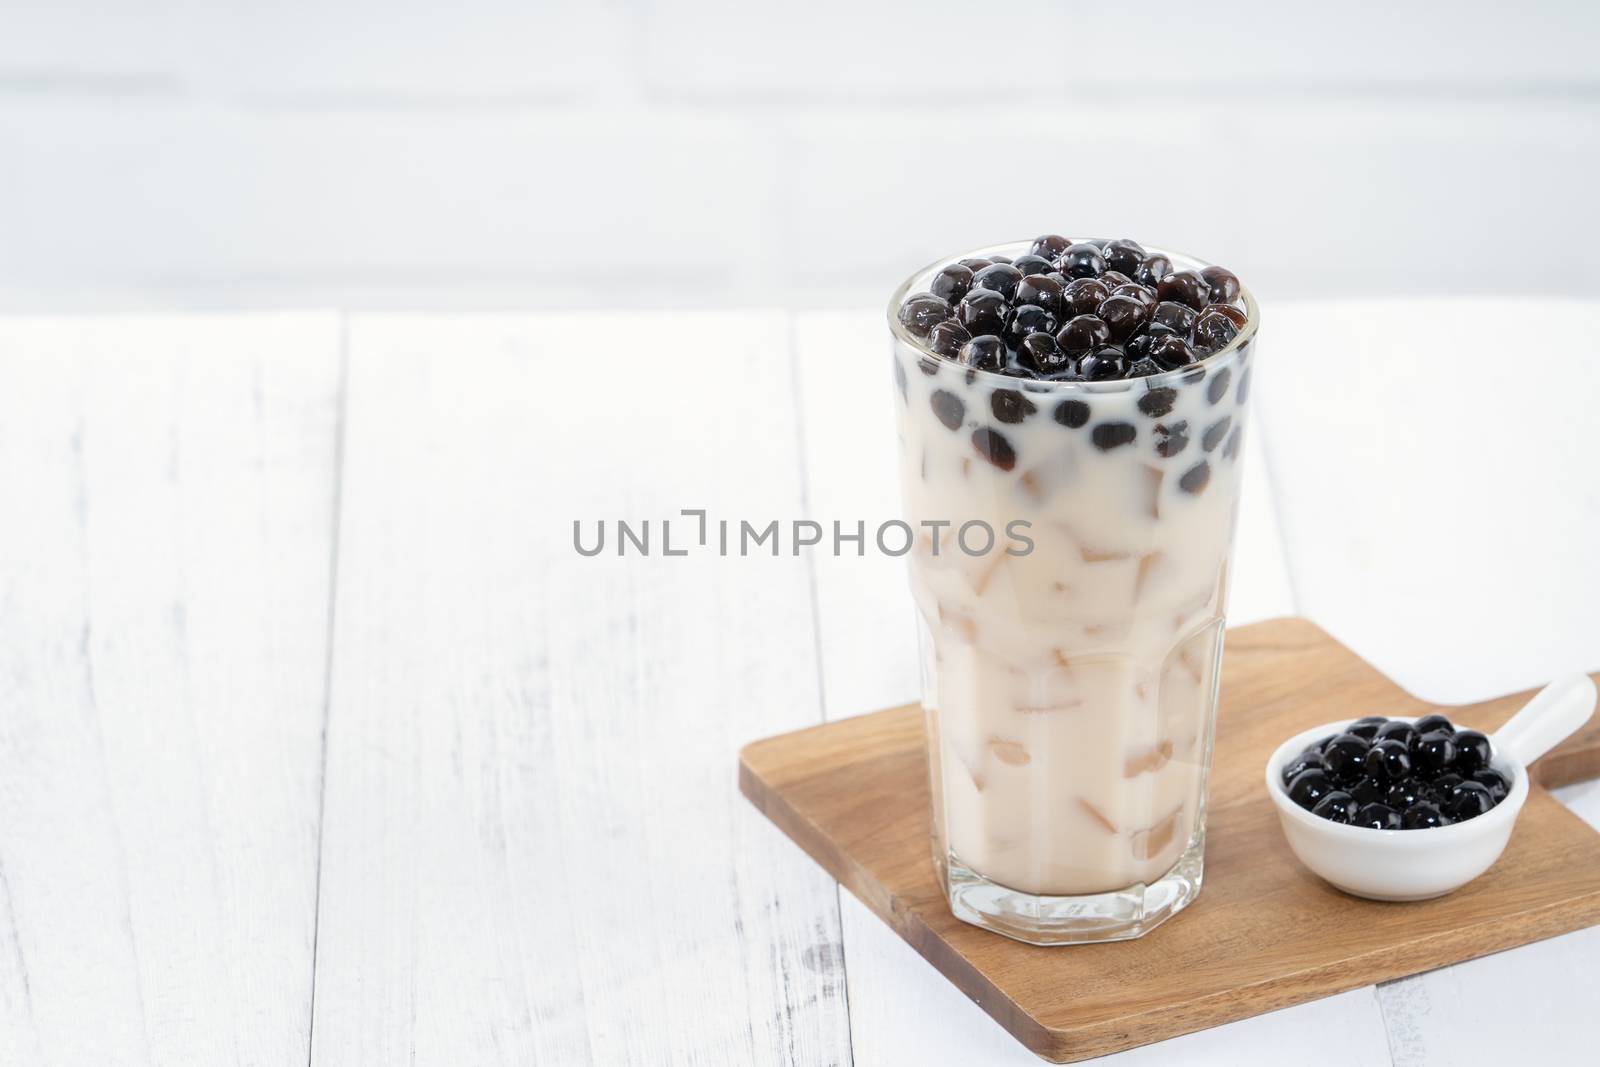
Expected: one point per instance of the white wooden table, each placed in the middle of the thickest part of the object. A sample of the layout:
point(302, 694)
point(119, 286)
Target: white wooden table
point(318, 740)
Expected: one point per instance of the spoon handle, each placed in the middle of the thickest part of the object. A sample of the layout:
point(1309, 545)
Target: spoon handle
point(1553, 715)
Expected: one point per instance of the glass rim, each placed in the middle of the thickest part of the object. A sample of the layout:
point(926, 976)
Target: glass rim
point(1246, 333)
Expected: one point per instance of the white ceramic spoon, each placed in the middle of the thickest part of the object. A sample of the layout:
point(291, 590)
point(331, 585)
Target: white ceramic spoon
point(1418, 864)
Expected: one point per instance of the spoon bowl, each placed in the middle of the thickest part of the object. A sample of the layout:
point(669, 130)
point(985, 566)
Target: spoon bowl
point(1401, 865)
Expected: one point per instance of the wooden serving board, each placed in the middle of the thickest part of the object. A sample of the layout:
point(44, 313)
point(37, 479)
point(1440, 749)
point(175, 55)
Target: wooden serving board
point(1264, 934)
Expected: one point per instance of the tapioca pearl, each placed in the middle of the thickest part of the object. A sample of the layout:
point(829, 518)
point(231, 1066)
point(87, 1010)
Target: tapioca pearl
point(948, 408)
point(1235, 316)
point(1021, 321)
point(999, 259)
point(1196, 478)
point(1072, 413)
point(985, 352)
point(1217, 387)
point(1158, 402)
point(900, 379)
point(1152, 269)
point(992, 446)
point(1083, 296)
point(952, 283)
point(1212, 332)
point(1171, 351)
point(1083, 334)
point(1243, 392)
point(1010, 406)
point(921, 312)
point(1082, 260)
point(1215, 433)
point(1143, 368)
point(1222, 286)
point(1124, 256)
point(1001, 277)
point(928, 365)
point(1193, 374)
point(1176, 317)
point(1041, 290)
point(1050, 246)
point(1231, 449)
point(947, 337)
point(1183, 287)
point(1033, 264)
point(1171, 438)
point(976, 263)
point(1142, 293)
point(1040, 354)
point(1104, 364)
point(1113, 279)
point(1123, 315)
point(1109, 435)
point(982, 311)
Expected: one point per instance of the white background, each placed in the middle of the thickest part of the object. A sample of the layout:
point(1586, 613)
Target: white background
point(706, 153)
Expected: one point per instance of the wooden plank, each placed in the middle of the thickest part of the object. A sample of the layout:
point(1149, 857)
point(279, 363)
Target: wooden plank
point(902, 1009)
point(533, 847)
point(164, 574)
point(854, 795)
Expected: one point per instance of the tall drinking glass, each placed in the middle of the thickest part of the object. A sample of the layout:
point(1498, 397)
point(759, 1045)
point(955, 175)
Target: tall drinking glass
point(1070, 673)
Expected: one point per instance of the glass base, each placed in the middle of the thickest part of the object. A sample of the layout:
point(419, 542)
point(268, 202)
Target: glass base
point(1080, 920)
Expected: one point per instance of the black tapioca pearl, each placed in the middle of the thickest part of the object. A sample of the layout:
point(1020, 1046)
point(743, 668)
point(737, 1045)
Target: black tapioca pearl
point(1041, 355)
point(1193, 374)
point(1021, 321)
point(1113, 279)
point(928, 365)
point(1033, 264)
point(948, 408)
point(985, 352)
point(1143, 368)
point(1000, 277)
point(1050, 246)
point(992, 446)
point(999, 259)
point(947, 337)
point(1142, 293)
point(1179, 318)
point(1040, 290)
point(1243, 392)
point(1231, 449)
point(1235, 316)
point(982, 311)
point(1213, 331)
point(1009, 405)
point(1183, 287)
point(1171, 439)
point(1109, 435)
point(976, 263)
point(1157, 402)
point(1104, 364)
point(1123, 315)
point(1152, 269)
point(1218, 386)
point(1124, 256)
point(920, 312)
point(1082, 260)
point(1196, 478)
point(900, 378)
point(1215, 433)
point(1083, 334)
point(1171, 351)
point(1222, 286)
point(1083, 296)
point(951, 283)
point(1072, 413)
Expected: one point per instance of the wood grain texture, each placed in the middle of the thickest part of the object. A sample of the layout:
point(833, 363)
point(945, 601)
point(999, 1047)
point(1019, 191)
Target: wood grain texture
point(854, 795)
point(164, 595)
point(531, 847)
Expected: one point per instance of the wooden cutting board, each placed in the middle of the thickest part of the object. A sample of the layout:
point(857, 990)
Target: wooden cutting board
point(1264, 934)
